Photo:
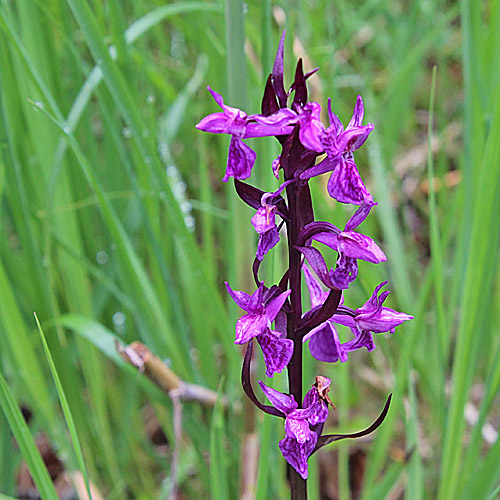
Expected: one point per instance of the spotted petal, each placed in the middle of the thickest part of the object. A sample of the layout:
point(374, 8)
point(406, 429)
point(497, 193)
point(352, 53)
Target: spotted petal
point(240, 160)
point(345, 184)
point(277, 351)
point(296, 454)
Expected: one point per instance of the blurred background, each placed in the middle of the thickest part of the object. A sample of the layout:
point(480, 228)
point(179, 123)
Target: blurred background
point(115, 227)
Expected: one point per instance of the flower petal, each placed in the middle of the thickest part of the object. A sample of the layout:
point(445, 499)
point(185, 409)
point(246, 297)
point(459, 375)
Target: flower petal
point(326, 165)
point(312, 400)
point(277, 352)
point(359, 246)
point(385, 320)
point(318, 296)
point(256, 301)
point(240, 160)
point(335, 124)
point(325, 345)
point(274, 306)
point(216, 123)
point(364, 339)
point(329, 239)
point(360, 215)
point(249, 326)
point(345, 184)
point(241, 298)
point(354, 138)
point(345, 272)
point(276, 167)
point(358, 113)
point(311, 128)
point(267, 240)
point(297, 454)
point(264, 219)
point(280, 401)
point(298, 429)
point(318, 264)
point(279, 123)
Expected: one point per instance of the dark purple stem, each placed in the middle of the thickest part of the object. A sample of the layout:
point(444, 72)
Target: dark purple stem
point(298, 486)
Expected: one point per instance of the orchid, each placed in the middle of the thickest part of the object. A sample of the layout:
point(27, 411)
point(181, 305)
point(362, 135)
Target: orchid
point(264, 222)
point(261, 312)
point(351, 246)
point(241, 158)
point(300, 440)
point(274, 315)
point(345, 184)
point(372, 317)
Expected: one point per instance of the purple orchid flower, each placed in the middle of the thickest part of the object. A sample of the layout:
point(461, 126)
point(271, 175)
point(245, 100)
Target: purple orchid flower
point(300, 440)
point(277, 349)
point(241, 157)
point(350, 245)
point(264, 222)
point(372, 317)
point(324, 342)
point(345, 184)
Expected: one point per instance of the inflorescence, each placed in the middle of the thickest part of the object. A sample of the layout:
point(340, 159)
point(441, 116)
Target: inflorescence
point(303, 138)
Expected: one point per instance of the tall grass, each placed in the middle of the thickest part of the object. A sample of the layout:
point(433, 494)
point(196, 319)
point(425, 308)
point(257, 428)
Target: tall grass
point(115, 226)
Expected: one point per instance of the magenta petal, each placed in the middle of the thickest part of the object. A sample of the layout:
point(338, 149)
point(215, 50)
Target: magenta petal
point(345, 184)
point(385, 320)
point(318, 264)
point(256, 301)
point(327, 165)
point(335, 124)
point(274, 306)
point(345, 320)
point(318, 296)
point(277, 352)
point(311, 128)
point(360, 215)
point(345, 272)
point(215, 123)
point(312, 400)
point(264, 219)
point(279, 123)
point(276, 167)
point(354, 138)
point(364, 339)
point(299, 429)
point(280, 324)
point(373, 302)
point(267, 240)
point(297, 454)
point(240, 160)
point(217, 98)
point(280, 401)
point(359, 246)
point(325, 345)
point(249, 326)
point(329, 239)
point(241, 298)
point(358, 113)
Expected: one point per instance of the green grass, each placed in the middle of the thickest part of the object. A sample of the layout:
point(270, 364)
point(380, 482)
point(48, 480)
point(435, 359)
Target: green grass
point(115, 226)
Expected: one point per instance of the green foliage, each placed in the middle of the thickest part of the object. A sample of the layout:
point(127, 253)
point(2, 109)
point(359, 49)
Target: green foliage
point(115, 227)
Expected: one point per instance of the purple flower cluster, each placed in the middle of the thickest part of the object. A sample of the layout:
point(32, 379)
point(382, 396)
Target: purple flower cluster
point(309, 149)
